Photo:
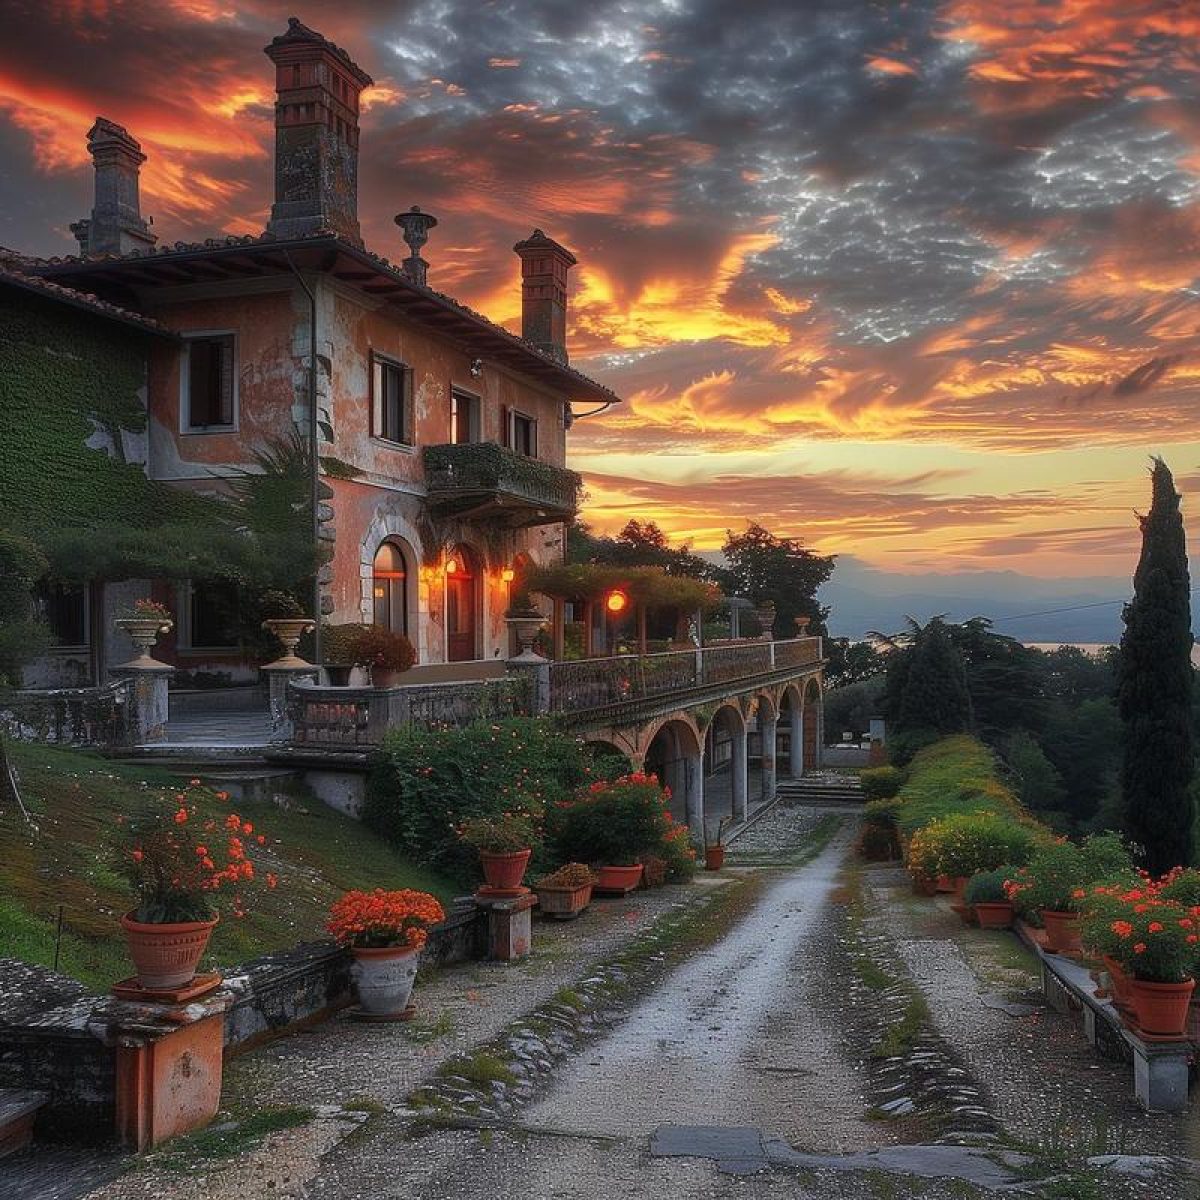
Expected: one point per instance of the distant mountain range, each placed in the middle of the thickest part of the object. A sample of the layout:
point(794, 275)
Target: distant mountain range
point(862, 598)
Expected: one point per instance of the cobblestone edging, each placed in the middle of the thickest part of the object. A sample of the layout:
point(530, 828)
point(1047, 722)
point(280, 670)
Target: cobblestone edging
point(497, 1078)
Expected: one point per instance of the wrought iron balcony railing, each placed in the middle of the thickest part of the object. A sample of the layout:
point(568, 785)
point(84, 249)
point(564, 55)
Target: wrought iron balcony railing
point(483, 480)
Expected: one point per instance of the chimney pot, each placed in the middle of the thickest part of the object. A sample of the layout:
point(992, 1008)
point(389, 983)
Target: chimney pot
point(415, 226)
point(544, 267)
point(116, 225)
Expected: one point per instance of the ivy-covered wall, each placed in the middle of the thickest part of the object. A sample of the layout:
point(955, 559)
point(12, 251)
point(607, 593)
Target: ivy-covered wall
point(66, 378)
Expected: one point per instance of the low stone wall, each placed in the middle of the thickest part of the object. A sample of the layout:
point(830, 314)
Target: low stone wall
point(48, 1038)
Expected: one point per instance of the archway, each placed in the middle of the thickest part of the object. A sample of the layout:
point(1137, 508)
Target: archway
point(763, 746)
point(791, 717)
point(726, 768)
point(674, 755)
point(812, 722)
point(390, 590)
point(463, 617)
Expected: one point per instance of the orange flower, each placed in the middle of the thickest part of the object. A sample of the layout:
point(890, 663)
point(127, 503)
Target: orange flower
point(1139, 947)
point(181, 817)
point(137, 855)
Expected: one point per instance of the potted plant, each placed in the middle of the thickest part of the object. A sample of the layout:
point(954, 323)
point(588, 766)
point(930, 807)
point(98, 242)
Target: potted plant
point(921, 861)
point(1101, 916)
point(1054, 885)
point(286, 621)
point(986, 896)
point(967, 843)
point(565, 893)
point(505, 845)
point(1157, 947)
point(142, 621)
point(384, 653)
point(385, 932)
point(714, 852)
point(178, 861)
point(337, 650)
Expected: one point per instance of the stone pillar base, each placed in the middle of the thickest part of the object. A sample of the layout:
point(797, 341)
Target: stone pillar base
point(149, 700)
point(279, 675)
point(510, 927)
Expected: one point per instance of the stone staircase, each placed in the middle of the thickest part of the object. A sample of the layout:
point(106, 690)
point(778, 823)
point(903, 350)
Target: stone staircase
point(822, 790)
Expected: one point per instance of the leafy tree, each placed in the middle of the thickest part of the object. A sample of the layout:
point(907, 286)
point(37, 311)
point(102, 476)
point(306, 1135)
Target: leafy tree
point(1155, 688)
point(762, 567)
point(1083, 743)
point(1038, 782)
point(22, 635)
point(639, 544)
point(1005, 678)
point(930, 685)
point(852, 662)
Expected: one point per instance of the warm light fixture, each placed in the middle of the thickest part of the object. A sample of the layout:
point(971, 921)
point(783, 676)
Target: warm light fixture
point(476, 367)
point(451, 566)
point(379, 593)
point(508, 575)
point(615, 601)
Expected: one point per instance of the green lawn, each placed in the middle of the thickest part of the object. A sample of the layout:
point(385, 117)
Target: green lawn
point(68, 860)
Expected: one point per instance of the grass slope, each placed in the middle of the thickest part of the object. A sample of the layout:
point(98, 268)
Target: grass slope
point(75, 799)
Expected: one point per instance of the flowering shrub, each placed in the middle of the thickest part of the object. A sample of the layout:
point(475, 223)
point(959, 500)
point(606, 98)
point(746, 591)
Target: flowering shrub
point(618, 822)
point(178, 861)
point(376, 919)
point(375, 646)
point(506, 833)
point(145, 609)
point(1060, 875)
point(965, 843)
point(1181, 886)
point(987, 887)
point(569, 875)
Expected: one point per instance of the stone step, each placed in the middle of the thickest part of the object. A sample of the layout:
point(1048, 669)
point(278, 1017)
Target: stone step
point(18, 1109)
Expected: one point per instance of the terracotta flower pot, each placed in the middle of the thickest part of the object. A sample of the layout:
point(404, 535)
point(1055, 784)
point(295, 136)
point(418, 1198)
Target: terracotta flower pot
point(383, 977)
point(960, 888)
point(385, 677)
point(1062, 932)
point(714, 858)
point(564, 903)
point(923, 887)
point(994, 914)
point(504, 872)
point(1161, 1008)
point(618, 879)
point(945, 883)
point(166, 956)
point(1119, 981)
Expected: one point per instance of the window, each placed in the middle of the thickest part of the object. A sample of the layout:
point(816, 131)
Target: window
point(391, 400)
point(389, 586)
point(464, 418)
point(209, 382)
point(212, 608)
point(521, 433)
point(65, 608)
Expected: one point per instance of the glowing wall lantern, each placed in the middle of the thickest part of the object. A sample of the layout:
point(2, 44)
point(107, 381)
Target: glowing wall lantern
point(615, 602)
point(508, 575)
point(451, 566)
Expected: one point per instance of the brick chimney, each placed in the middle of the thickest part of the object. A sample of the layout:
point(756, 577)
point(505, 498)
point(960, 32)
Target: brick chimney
point(116, 225)
point(544, 267)
point(316, 135)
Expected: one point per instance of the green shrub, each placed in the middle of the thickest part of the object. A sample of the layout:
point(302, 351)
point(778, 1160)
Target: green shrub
point(965, 843)
point(425, 783)
point(877, 843)
point(1056, 879)
point(882, 813)
point(903, 747)
point(881, 783)
point(1183, 887)
point(987, 887)
point(619, 822)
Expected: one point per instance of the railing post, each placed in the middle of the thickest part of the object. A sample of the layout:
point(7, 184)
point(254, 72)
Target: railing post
point(279, 679)
point(537, 670)
point(149, 701)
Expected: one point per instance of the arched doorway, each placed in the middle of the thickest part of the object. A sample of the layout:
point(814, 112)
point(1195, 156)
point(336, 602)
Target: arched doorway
point(462, 606)
point(791, 725)
point(389, 587)
point(726, 788)
point(675, 756)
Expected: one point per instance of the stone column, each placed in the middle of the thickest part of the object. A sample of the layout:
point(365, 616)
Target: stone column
point(279, 677)
point(740, 775)
point(537, 670)
point(796, 735)
point(767, 732)
point(149, 700)
point(695, 796)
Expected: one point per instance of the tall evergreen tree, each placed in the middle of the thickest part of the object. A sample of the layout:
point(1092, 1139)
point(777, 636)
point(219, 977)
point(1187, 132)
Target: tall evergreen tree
point(933, 688)
point(1155, 688)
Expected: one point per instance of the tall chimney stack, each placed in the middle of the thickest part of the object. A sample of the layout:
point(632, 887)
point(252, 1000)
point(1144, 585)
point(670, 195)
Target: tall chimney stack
point(316, 135)
point(544, 267)
point(116, 225)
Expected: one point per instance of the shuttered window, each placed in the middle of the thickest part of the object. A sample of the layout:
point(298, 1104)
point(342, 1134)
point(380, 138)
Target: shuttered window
point(391, 400)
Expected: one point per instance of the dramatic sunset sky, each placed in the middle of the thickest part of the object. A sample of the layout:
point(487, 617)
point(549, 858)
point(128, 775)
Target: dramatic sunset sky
point(915, 281)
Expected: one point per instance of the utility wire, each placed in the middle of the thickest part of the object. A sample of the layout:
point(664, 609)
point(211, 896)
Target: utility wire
point(1047, 612)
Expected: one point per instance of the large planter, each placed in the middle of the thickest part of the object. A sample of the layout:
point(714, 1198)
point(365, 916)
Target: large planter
point(166, 956)
point(618, 879)
point(922, 886)
point(1119, 981)
point(338, 674)
point(1062, 932)
point(385, 677)
point(994, 914)
point(525, 626)
point(143, 633)
point(945, 884)
point(383, 977)
point(714, 858)
point(288, 631)
point(504, 872)
point(564, 903)
point(1161, 1009)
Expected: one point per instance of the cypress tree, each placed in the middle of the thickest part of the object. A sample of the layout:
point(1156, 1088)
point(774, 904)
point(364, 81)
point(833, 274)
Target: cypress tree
point(935, 694)
point(1155, 688)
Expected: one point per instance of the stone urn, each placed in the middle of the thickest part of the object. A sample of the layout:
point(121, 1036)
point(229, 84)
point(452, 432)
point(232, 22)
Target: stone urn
point(289, 631)
point(526, 626)
point(383, 978)
point(765, 613)
point(143, 633)
point(802, 624)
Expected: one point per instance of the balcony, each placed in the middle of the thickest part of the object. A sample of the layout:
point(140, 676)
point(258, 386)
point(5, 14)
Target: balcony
point(480, 481)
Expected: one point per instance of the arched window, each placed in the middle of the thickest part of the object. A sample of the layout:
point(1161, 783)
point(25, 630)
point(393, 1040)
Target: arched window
point(390, 588)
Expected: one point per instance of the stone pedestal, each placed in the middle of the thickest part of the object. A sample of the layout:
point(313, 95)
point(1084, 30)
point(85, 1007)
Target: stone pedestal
point(148, 700)
point(510, 926)
point(169, 1060)
point(537, 671)
point(279, 675)
point(1160, 1076)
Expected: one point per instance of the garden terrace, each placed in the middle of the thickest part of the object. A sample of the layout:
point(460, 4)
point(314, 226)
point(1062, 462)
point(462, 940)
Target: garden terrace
point(483, 481)
point(630, 686)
